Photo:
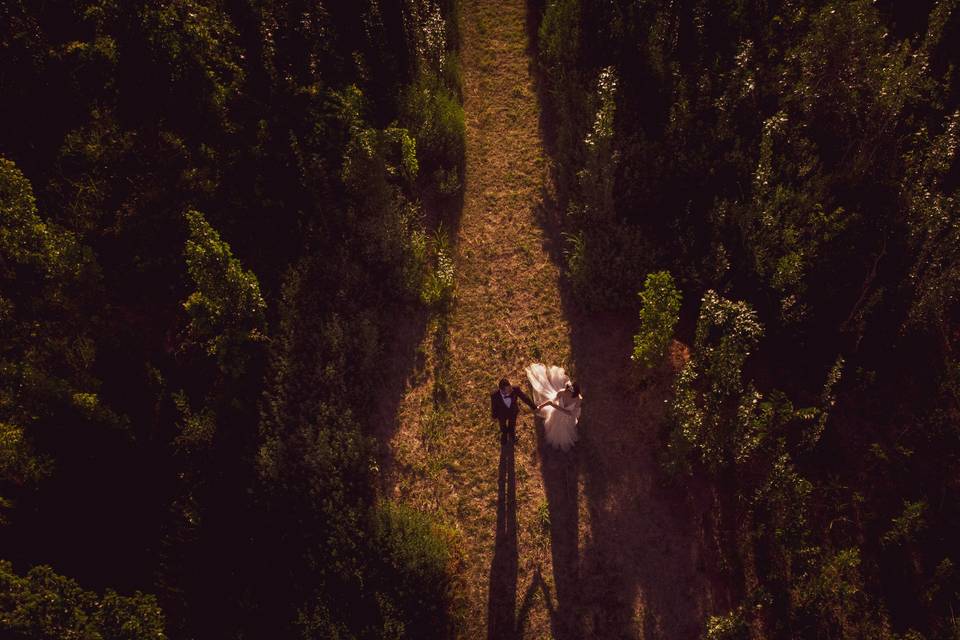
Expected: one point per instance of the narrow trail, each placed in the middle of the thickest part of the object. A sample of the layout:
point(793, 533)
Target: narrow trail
point(551, 544)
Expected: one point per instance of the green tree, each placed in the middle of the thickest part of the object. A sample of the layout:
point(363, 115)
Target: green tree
point(829, 600)
point(226, 310)
point(46, 354)
point(659, 313)
point(934, 224)
point(337, 122)
point(715, 412)
point(43, 604)
point(430, 105)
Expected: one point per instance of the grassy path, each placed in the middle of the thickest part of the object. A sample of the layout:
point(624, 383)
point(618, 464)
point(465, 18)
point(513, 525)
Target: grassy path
point(551, 544)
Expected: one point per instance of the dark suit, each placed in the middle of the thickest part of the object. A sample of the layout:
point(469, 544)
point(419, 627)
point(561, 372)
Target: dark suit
point(507, 416)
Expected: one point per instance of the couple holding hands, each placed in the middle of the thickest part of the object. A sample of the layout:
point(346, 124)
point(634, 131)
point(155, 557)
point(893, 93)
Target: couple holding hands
point(558, 403)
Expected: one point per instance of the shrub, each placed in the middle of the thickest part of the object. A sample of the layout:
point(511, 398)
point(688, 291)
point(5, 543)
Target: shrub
point(829, 601)
point(44, 604)
point(437, 284)
point(905, 527)
point(568, 95)
point(433, 114)
point(596, 179)
point(715, 412)
point(226, 309)
point(559, 38)
point(732, 626)
point(46, 354)
point(659, 312)
point(413, 582)
point(606, 263)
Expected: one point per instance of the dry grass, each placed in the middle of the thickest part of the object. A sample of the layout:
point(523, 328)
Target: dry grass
point(582, 544)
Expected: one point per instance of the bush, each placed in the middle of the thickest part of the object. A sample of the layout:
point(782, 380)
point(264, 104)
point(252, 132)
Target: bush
point(413, 574)
point(830, 601)
point(606, 264)
point(403, 590)
point(226, 310)
point(659, 313)
point(44, 604)
point(437, 289)
point(47, 277)
point(905, 527)
point(433, 114)
point(559, 39)
point(732, 626)
point(568, 96)
point(715, 412)
point(596, 180)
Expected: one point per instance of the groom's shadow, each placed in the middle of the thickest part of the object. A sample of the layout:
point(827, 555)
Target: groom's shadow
point(501, 621)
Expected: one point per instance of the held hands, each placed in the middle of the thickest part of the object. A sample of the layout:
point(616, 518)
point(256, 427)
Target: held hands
point(554, 405)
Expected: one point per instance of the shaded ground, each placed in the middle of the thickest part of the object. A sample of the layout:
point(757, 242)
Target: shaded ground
point(566, 545)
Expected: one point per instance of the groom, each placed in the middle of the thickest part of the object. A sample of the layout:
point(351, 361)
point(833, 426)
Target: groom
point(505, 405)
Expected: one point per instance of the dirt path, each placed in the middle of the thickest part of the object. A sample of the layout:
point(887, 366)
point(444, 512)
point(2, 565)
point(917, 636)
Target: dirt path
point(565, 545)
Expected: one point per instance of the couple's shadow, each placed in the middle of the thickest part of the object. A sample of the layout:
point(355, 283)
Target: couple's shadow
point(504, 619)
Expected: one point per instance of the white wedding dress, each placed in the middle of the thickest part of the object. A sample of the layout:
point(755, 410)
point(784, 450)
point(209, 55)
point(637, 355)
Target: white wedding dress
point(559, 427)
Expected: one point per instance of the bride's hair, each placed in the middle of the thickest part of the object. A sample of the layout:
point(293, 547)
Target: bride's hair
point(575, 388)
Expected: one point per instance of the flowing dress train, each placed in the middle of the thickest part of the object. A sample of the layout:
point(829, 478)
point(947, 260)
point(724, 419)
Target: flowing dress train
point(559, 427)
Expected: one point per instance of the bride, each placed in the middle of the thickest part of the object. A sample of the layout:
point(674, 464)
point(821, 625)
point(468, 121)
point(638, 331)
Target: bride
point(558, 401)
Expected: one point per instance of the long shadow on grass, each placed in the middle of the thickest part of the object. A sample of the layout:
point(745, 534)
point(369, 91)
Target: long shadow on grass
point(560, 484)
point(648, 567)
point(501, 621)
point(403, 364)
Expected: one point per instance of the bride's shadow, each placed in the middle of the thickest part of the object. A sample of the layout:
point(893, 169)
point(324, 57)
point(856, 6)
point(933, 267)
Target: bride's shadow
point(504, 621)
point(560, 471)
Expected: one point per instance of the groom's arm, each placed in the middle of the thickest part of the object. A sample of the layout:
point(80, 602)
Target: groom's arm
point(493, 406)
point(523, 396)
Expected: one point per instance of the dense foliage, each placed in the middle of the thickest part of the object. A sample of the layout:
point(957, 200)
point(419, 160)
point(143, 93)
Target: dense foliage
point(659, 313)
point(43, 604)
point(794, 165)
point(210, 214)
